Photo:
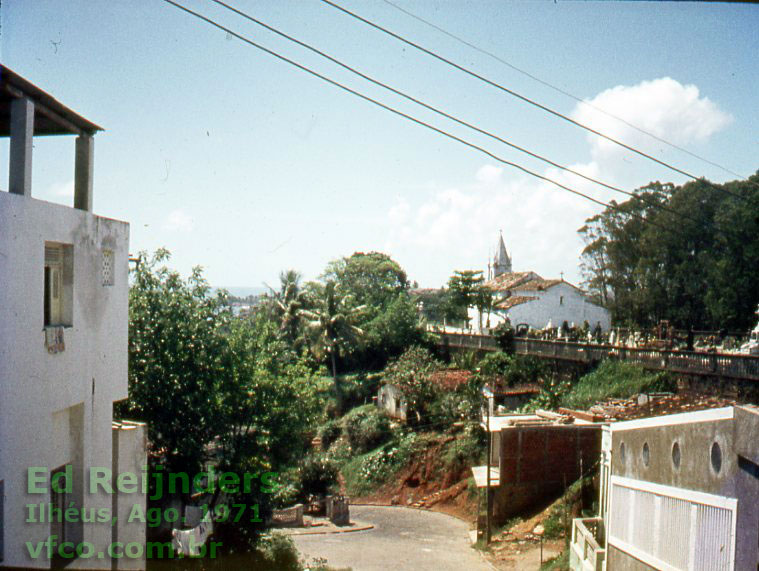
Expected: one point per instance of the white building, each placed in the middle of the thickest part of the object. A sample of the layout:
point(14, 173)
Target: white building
point(527, 298)
point(677, 492)
point(63, 355)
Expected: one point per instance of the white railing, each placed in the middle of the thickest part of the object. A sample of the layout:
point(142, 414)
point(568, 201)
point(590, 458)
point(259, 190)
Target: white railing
point(672, 528)
point(587, 554)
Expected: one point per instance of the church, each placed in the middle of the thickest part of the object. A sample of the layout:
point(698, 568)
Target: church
point(529, 299)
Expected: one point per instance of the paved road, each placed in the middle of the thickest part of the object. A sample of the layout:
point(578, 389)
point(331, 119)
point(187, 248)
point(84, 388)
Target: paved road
point(402, 538)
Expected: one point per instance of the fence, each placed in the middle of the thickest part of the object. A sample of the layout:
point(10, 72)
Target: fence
point(745, 367)
point(289, 517)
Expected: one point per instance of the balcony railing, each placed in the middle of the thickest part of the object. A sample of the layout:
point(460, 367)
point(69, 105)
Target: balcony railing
point(586, 553)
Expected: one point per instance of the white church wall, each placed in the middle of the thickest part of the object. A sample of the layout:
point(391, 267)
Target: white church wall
point(557, 304)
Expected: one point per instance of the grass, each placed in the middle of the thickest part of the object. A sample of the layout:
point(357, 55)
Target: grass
point(614, 379)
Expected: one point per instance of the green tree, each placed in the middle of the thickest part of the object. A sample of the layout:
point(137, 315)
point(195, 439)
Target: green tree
point(287, 303)
point(681, 253)
point(331, 319)
point(411, 374)
point(176, 360)
point(466, 290)
point(210, 386)
point(373, 280)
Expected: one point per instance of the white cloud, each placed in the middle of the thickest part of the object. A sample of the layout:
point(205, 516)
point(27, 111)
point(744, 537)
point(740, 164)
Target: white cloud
point(664, 107)
point(179, 221)
point(489, 174)
point(457, 228)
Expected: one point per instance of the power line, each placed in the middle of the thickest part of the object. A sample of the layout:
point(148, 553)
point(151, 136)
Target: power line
point(446, 134)
point(443, 113)
point(558, 89)
point(522, 97)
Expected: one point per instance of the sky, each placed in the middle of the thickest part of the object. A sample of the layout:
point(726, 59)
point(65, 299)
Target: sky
point(246, 166)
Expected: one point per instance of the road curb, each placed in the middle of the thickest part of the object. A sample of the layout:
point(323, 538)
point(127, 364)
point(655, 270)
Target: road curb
point(362, 527)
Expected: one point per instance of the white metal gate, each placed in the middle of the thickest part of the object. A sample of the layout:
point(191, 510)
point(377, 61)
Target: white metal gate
point(672, 528)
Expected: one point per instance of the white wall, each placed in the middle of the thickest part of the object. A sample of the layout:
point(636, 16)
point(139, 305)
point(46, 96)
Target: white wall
point(560, 303)
point(57, 408)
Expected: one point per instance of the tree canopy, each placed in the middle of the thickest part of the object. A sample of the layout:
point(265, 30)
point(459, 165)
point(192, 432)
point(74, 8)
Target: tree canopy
point(686, 253)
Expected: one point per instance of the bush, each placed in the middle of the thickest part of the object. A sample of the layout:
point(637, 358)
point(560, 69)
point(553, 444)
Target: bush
point(365, 428)
point(504, 334)
point(495, 364)
point(411, 373)
point(467, 449)
point(329, 432)
point(366, 473)
point(278, 551)
point(513, 370)
point(318, 476)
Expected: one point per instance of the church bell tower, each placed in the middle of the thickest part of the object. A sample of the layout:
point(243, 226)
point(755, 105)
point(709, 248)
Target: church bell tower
point(501, 261)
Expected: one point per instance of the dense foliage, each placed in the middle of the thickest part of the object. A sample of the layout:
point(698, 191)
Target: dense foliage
point(686, 253)
point(411, 374)
point(212, 388)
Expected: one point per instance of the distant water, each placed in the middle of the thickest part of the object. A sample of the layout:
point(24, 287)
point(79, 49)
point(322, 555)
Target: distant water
point(243, 291)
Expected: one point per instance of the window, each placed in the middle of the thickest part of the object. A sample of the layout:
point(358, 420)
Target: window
point(58, 292)
point(561, 300)
point(676, 455)
point(716, 458)
point(646, 454)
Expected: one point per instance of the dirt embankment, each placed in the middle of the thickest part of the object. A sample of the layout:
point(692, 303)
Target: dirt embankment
point(430, 482)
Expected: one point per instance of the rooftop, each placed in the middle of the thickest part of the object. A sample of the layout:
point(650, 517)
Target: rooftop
point(51, 116)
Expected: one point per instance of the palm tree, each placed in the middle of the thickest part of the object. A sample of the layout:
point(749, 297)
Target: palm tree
point(288, 303)
point(331, 321)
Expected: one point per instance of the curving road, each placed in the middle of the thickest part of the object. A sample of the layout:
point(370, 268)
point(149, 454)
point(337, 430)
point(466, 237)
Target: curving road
point(402, 538)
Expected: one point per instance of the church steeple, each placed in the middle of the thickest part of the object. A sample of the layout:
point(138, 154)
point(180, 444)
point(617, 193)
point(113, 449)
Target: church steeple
point(502, 261)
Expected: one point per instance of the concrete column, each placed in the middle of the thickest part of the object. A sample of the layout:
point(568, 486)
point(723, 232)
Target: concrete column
point(22, 132)
point(83, 171)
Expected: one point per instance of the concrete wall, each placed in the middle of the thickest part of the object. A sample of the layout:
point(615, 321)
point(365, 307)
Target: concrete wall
point(129, 440)
point(538, 462)
point(56, 409)
point(738, 439)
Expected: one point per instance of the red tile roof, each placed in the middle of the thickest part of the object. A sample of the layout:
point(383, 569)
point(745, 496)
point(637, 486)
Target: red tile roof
point(508, 281)
point(513, 300)
point(450, 379)
point(538, 285)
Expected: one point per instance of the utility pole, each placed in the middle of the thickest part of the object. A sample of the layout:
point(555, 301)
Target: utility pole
point(488, 510)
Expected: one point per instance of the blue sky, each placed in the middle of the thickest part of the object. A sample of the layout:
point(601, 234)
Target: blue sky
point(245, 166)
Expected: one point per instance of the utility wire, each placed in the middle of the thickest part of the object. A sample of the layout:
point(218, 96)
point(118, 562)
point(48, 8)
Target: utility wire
point(447, 115)
point(446, 134)
point(558, 89)
point(523, 97)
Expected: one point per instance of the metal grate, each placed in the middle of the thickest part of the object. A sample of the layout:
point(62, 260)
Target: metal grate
point(107, 268)
point(672, 528)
